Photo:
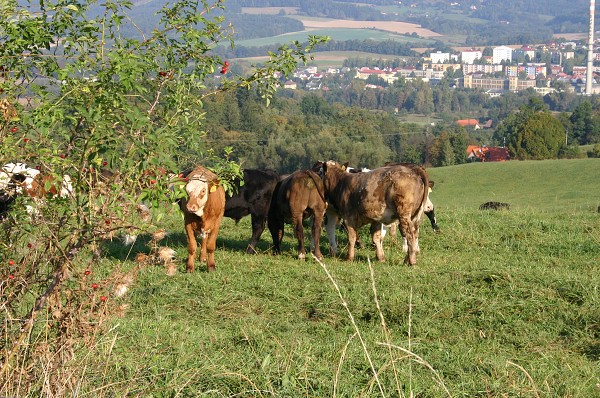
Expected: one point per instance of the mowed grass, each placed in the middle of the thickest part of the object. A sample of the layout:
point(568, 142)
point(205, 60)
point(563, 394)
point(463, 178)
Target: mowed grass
point(500, 304)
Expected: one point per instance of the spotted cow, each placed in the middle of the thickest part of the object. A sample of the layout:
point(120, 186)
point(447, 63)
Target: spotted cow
point(20, 179)
point(203, 211)
point(381, 196)
point(297, 197)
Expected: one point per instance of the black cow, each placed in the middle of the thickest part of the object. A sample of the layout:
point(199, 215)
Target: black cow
point(254, 198)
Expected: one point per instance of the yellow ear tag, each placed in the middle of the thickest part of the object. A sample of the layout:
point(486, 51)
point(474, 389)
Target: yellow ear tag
point(430, 190)
point(213, 188)
point(344, 168)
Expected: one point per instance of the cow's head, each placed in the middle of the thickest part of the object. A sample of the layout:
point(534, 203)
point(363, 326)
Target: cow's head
point(197, 189)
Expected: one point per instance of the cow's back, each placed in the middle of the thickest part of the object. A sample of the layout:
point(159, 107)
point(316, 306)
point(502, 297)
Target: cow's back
point(254, 196)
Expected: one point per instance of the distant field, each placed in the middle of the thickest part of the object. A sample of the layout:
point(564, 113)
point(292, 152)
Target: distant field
point(334, 33)
point(389, 26)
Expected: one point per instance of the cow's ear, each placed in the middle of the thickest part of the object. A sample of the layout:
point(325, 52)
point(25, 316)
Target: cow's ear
point(431, 184)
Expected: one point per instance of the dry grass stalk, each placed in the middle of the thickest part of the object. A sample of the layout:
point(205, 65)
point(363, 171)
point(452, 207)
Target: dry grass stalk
point(345, 305)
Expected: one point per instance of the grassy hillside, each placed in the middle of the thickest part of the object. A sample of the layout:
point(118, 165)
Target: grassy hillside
point(551, 185)
point(499, 304)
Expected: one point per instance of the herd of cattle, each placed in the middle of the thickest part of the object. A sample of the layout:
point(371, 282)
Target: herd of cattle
point(327, 193)
point(395, 195)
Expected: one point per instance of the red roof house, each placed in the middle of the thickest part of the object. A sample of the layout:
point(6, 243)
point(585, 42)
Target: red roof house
point(468, 123)
point(487, 154)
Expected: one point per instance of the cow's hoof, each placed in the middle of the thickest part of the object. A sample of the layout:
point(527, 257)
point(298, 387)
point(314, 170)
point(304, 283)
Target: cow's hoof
point(212, 268)
point(301, 256)
point(250, 250)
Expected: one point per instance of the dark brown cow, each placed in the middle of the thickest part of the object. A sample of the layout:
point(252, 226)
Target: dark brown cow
point(254, 198)
point(295, 198)
point(203, 211)
point(378, 197)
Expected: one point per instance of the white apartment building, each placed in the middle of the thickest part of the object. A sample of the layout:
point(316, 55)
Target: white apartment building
point(468, 57)
point(502, 53)
point(439, 57)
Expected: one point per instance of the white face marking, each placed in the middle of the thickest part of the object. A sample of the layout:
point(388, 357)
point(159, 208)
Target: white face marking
point(198, 196)
point(196, 188)
point(428, 205)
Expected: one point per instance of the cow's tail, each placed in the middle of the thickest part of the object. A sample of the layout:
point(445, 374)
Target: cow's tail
point(318, 184)
point(425, 179)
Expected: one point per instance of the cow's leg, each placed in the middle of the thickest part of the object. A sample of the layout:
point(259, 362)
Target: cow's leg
point(408, 231)
point(276, 228)
point(209, 245)
point(432, 220)
point(393, 228)
point(299, 234)
point(192, 245)
point(258, 226)
point(316, 234)
point(351, 241)
point(330, 227)
point(376, 234)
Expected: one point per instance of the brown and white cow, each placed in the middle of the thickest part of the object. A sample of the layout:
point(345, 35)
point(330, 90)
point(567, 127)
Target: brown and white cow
point(381, 196)
point(203, 211)
point(297, 197)
point(20, 179)
point(253, 198)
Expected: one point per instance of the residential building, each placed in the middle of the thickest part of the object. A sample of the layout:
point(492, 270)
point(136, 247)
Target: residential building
point(502, 53)
point(512, 83)
point(478, 68)
point(439, 57)
point(468, 57)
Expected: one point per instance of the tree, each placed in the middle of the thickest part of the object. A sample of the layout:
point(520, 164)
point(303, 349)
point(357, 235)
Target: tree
point(83, 97)
point(532, 134)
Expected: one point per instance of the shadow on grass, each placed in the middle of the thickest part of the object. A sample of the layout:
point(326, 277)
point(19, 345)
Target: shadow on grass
point(117, 249)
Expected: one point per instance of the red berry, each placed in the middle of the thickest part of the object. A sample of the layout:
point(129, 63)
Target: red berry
point(87, 272)
point(94, 286)
point(11, 262)
point(38, 167)
point(226, 63)
point(29, 245)
point(152, 181)
point(223, 70)
point(103, 298)
point(14, 130)
point(11, 277)
point(106, 222)
point(62, 155)
point(26, 140)
point(104, 163)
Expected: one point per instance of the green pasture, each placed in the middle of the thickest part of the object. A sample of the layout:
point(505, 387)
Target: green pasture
point(500, 304)
point(539, 186)
point(339, 34)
